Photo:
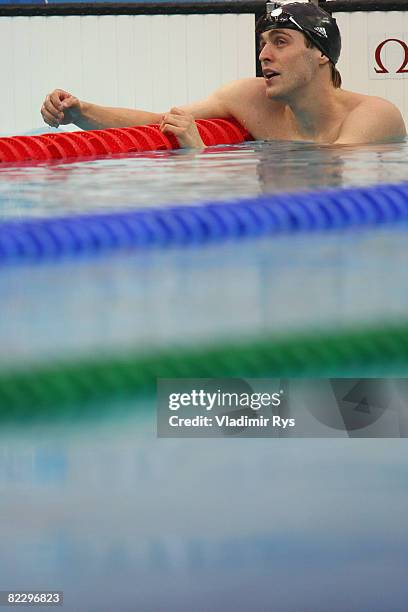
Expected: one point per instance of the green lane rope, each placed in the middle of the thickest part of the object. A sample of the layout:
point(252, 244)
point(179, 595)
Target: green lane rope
point(84, 387)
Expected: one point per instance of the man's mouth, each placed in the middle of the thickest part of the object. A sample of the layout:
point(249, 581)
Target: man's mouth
point(269, 74)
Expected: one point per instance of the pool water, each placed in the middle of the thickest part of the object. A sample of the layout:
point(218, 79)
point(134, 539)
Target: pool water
point(123, 521)
point(174, 298)
point(218, 173)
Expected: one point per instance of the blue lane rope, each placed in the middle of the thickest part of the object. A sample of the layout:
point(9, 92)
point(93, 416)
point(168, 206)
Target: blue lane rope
point(327, 210)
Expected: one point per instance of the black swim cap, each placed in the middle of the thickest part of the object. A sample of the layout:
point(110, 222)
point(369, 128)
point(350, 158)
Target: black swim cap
point(308, 18)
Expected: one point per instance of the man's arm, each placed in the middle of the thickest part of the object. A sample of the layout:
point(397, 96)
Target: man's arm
point(61, 107)
point(372, 121)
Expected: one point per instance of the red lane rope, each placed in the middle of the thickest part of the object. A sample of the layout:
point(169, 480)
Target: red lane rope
point(113, 140)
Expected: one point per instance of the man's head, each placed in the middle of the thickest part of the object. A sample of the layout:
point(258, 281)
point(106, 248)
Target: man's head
point(317, 29)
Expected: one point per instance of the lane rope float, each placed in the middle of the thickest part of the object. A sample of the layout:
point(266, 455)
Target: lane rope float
point(46, 239)
point(85, 144)
point(51, 390)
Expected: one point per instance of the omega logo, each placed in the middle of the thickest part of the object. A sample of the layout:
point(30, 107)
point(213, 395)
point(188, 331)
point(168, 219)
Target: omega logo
point(381, 68)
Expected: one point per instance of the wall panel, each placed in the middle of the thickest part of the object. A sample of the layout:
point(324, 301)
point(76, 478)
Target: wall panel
point(151, 62)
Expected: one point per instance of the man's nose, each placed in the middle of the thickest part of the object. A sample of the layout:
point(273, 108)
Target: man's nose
point(266, 52)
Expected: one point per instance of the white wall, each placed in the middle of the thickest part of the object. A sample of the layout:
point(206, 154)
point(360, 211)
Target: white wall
point(149, 62)
point(361, 34)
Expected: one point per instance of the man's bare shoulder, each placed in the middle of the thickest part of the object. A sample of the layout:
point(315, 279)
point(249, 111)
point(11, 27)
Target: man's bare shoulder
point(246, 101)
point(248, 87)
point(370, 119)
point(374, 102)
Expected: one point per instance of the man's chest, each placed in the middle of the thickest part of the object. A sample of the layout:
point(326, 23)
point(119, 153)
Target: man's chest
point(265, 125)
point(269, 126)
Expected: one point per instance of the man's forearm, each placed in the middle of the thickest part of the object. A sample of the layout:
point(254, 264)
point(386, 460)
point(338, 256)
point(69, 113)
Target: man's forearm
point(95, 117)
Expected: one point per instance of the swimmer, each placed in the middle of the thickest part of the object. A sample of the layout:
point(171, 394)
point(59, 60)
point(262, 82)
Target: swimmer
point(298, 98)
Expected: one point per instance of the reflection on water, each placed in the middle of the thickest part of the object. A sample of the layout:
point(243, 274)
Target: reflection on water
point(123, 521)
point(302, 166)
point(164, 178)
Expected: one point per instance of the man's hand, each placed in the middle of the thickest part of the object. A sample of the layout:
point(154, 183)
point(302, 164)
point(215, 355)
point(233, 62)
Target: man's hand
point(60, 108)
point(182, 124)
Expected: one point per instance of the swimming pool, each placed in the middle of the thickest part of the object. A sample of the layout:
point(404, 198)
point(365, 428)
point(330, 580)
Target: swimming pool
point(96, 505)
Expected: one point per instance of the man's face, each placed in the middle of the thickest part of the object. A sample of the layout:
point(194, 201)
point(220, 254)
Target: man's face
point(287, 64)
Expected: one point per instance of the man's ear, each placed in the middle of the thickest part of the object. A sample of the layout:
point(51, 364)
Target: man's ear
point(323, 59)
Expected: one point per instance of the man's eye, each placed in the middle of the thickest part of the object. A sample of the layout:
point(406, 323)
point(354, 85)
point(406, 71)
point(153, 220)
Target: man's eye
point(280, 41)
